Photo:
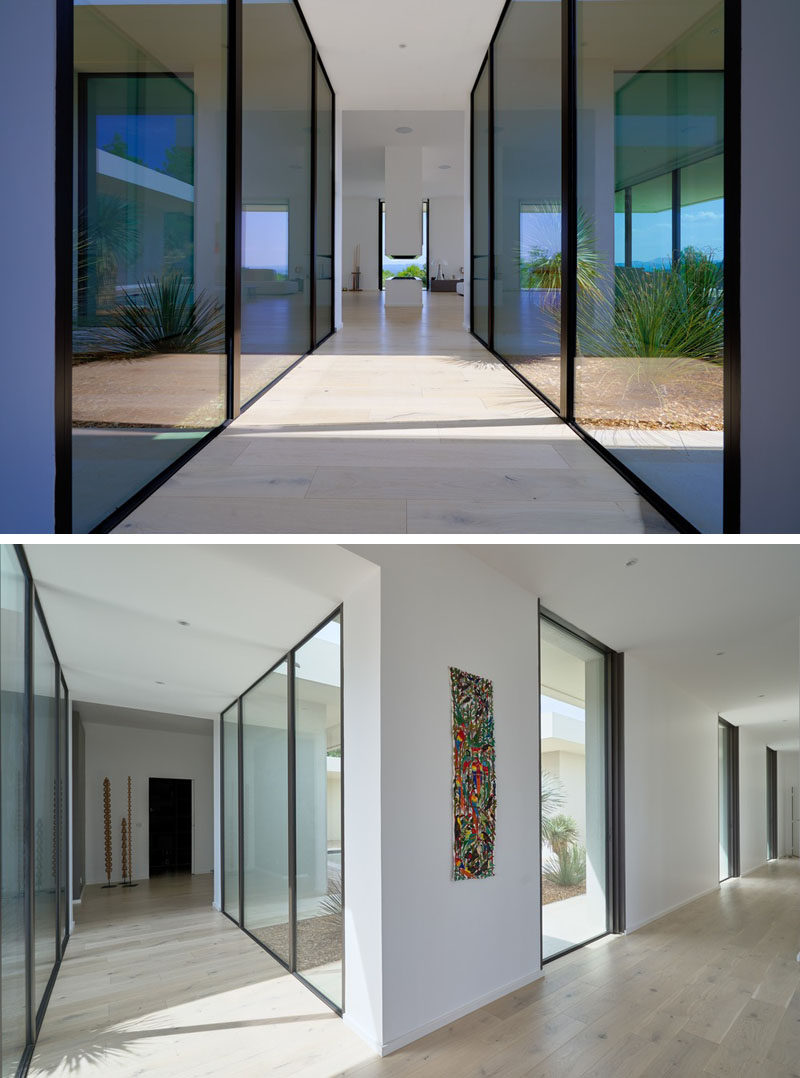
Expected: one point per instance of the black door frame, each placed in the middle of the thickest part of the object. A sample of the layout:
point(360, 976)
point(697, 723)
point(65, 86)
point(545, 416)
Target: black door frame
point(614, 779)
point(772, 804)
point(731, 794)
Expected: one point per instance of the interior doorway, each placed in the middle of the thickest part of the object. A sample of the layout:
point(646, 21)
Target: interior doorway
point(170, 818)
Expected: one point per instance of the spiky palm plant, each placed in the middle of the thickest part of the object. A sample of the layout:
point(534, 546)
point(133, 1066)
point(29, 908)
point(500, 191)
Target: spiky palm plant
point(540, 267)
point(568, 868)
point(563, 832)
point(552, 795)
point(166, 317)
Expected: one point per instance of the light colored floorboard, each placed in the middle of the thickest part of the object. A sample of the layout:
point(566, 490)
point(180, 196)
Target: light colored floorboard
point(155, 982)
point(401, 422)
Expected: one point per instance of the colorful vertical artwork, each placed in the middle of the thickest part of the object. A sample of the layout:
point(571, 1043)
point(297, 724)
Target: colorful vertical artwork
point(474, 794)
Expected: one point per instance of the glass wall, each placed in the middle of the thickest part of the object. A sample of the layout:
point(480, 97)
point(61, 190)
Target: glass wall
point(649, 378)
point(148, 374)
point(34, 918)
point(265, 828)
point(230, 798)
point(318, 769)
point(291, 796)
point(152, 266)
point(276, 192)
point(323, 219)
point(575, 901)
point(527, 190)
point(13, 814)
point(647, 217)
point(480, 207)
point(728, 801)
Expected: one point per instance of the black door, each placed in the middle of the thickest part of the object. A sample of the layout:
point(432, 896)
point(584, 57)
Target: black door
point(170, 826)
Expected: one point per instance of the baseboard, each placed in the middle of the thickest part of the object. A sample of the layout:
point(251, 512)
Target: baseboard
point(359, 1032)
point(460, 1012)
point(671, 909)
point(755, 868)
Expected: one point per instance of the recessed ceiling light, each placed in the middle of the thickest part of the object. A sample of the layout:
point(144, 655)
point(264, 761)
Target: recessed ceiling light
point(404, 130)
point(183, 622)
point(402, 46)
point(445, 166)
point(761, 695)
point(630, 562)
point(161, 683)
point(720, 653)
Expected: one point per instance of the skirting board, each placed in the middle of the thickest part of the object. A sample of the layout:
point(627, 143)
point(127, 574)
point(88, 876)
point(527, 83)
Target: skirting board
point(755, 868)
point(670, 909)
point(396, 1043)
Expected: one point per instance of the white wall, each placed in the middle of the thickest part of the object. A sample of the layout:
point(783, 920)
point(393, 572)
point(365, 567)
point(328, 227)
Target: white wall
point(449, 947)
point(770, 166)
point(447, 235)
point(788, 776)
point(752, 799)
point(119, 751)
point(360, 226)
point(671, 808)
point(362, 811)
point(27, 297)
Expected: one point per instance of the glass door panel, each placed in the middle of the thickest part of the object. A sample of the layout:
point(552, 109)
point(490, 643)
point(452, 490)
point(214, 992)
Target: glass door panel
point(573, 785)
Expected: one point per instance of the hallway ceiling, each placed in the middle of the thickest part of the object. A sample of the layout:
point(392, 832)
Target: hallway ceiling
point(676, 608)
point(359, 42)
point(114, 614)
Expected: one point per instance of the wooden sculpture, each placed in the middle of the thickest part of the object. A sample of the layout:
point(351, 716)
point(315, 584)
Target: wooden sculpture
point(124, 851)
point(107, 829)
point(128, 826)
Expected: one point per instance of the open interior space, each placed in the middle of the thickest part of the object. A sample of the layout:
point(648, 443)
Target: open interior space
point(255, 800)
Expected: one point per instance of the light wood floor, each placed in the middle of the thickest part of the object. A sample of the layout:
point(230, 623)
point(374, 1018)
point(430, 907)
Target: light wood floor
point(156, 983)
point(401, 422)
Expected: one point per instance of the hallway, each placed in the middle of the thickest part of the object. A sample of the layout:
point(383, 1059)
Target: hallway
point(170, 987)
point(398, 423)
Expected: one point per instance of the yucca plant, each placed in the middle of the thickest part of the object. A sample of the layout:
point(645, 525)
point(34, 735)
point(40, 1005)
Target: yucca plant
point(332, 902)
point(541, 267)
point(568, 868)
point(562, 832)
point(552, 794)
point(166, 317)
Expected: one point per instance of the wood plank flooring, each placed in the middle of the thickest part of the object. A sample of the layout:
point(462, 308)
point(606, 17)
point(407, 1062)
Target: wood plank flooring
point(401, 422)
point(156, 983)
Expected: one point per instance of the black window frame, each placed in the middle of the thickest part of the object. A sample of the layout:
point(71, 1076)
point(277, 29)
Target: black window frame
point(290, 660)
point(772, 804)
point(731, 791)
point(65, 123)
point(426, 202)
point(565, 409)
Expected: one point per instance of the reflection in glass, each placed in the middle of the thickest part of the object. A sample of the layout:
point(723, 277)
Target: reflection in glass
point(318, 755)
point(230, 799)
point(276, 192)
point(649, 377)
point(63, 726)
point(148, 375)
point(265, 747)
point(45, 811)
point(527, 183)
point(480, 207)
point(13, 723)
point(324, 208)
point(573, 782)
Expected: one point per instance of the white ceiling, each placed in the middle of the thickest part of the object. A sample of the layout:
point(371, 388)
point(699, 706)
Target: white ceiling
point(367, 133)
point(679, 606)
point(141, 720)
point(359, 42)
point(114, 613)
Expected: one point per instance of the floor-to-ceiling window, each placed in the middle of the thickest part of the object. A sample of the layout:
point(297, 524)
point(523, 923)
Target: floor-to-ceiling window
point(527, 192)
point(230, 801)
point(405, 267)
point(628, 188)
point(577, 729)
point(202, 232)
point(265, 826)
point(34, 723)
point(286, 786)
point(13, 810)
point(728, 793)
point(148, 371)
